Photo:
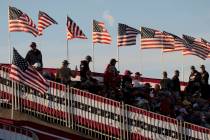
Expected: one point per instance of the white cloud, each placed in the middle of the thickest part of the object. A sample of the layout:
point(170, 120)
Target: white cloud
point(107, 16)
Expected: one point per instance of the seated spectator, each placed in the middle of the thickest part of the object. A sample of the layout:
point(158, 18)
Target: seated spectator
point(165, 83)
point(64, 74)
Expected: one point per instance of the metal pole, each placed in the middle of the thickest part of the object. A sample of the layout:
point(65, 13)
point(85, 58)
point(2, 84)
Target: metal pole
point(9, 37)
point(118, 57)
point(93, 59)
point(67, 51)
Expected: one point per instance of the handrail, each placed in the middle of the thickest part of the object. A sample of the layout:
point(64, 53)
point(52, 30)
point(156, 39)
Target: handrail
point(95, 115)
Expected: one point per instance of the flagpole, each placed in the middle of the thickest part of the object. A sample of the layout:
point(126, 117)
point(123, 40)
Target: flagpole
point(93, 53)
point(67, 51)
point(9, 37)
point(118, 57)
point(10, 61)
point(182, 68)
point(93, 57)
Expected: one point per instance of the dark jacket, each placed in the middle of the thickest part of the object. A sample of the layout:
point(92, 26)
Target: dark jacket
point(176, 84)
point(34, 56)
point(205, 78)
point(84, 68)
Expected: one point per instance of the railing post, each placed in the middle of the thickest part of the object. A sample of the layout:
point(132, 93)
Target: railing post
point(122, 121)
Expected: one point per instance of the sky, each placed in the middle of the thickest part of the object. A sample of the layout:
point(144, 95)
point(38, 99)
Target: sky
point(190, 17)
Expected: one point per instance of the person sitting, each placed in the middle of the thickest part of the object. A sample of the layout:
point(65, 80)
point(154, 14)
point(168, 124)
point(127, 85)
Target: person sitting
point(34, 57)
point(64, 74)
point(165, 83)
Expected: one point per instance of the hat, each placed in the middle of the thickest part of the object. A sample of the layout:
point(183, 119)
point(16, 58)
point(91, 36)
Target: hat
point(127, 72)
point(65, 62)
point(33, 44)
point(113, 60)
point(202, 66)
point(89, 58)
point(193, 67)
point(177, 71)
point(138, 73)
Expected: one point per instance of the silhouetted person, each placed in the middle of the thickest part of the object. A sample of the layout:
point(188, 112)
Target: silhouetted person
point(84, 68)
point(165, 83)
point(176, 82)
point(204, 82)
point(34, 57)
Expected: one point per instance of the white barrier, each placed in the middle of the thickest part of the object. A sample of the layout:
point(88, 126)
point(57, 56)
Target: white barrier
point(94, 115)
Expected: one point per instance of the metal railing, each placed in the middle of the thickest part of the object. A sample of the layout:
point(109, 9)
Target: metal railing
point(94, 115)
point(11, 132)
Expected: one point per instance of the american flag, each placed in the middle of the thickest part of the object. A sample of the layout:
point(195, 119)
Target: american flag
point(196, 47)
point(207, 45)
point(73, 30)
point(100, 34)
point(126, 35)
point(21, 22)
point(22, 72)
point(154, 39)
point(44, 21)
point(177, 42)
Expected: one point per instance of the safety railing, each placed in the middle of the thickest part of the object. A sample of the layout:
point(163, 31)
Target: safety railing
point(11, 132)
point(94, 115)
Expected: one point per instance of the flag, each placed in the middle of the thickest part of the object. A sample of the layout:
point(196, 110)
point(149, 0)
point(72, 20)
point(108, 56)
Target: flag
point(126, 35)
point(22, 72)
point(177, 42)
point(207, 45)
point(100, 34)
point(197, 47)
point(44, 21)
point(21, 22)
point(153, 39)
point(73, 31)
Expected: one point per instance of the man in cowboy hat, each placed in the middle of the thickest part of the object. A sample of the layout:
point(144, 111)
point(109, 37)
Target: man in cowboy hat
point(64, 74)
point(34, 57)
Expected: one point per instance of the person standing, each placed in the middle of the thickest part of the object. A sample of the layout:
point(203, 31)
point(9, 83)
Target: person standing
point(165, 83)
point(84, 68)
point(176, 82)
point(111, 76)
point(204, 82)
point(64, 74)
point(34, 57)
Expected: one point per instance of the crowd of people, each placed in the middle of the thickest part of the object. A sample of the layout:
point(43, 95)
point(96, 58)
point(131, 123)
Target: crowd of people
point(191, 105)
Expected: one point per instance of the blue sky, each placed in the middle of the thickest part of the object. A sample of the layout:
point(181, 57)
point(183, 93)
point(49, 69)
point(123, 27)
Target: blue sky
point(191, 17)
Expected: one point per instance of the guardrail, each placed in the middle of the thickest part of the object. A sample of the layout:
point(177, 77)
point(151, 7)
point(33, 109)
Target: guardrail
point(95, 115)
point(11, 132)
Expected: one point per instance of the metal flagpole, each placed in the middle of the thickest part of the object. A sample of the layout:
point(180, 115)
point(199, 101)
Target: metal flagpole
point(67, 51)
point(182, 68)
point(93, 58)
point(93, 55)
point(10, 61)
point(9, 37)
point(118, 57)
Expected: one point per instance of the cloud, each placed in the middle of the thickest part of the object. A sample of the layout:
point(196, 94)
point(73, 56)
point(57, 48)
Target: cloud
point(107, 16)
